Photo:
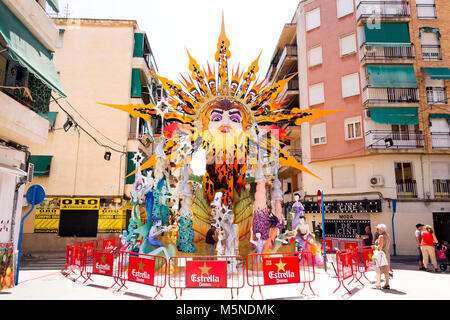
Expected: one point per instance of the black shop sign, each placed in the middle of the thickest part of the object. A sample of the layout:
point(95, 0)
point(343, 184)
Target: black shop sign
point(345, 228)
point(349, 206)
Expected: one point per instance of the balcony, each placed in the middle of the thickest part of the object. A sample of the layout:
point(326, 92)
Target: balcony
point(436, 95)
point(145, 138)
point(373, 95)
point(387, 139)
point(426, 11)
point(441, 188)
point(406, 188)
point(383, 10)
point(370, 53)
point(286, 60)
point(290, 90)
point(431, 52)
point(440, 140)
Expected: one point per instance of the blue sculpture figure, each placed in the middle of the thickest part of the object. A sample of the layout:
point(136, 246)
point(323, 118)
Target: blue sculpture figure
point(160, 208)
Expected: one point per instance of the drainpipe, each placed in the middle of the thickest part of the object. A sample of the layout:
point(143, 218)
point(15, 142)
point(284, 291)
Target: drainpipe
point(394, 209)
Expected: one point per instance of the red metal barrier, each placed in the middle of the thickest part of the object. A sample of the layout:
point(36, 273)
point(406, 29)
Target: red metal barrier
point(226, 272)
point(67, 270)
point(103, 263)
point(280, 268)
point(364, 262)
point(346, 263)
point(143, 269)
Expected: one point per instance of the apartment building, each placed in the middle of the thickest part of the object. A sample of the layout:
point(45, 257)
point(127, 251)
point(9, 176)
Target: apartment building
point(381, 63)
point(90, 147)
point(27, 79)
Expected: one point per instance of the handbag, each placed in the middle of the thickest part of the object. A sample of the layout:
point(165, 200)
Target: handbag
point(380, 258)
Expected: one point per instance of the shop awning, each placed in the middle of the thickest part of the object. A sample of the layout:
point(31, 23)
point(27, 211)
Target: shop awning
point(41, 165)
point(387, 34)
point(28, 51)
point(136, 88)
point(51, 117)
point(438, 73)
point(395, 115)
point(391, 76)
point(439, 116)
point(54, 4)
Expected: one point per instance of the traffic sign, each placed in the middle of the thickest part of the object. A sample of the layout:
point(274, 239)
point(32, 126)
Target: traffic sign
point(35, 194)
point(319, 197)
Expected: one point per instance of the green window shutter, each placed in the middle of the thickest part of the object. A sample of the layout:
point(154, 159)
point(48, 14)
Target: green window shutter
point(51, 117)
point(41, 165)
point(391, 76)
point(387, 34)
point(409, 116)
point(136, 88)
point(438, 73)
point(130, 168)
point(28, 51)
point(138, 45)
point(439, 116)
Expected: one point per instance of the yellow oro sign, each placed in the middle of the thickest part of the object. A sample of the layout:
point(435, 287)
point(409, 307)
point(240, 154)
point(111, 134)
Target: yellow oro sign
point(111, 220)
point(79, 203)
point(46, 220)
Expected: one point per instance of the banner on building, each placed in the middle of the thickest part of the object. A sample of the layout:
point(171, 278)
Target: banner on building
point(345, 228)
point(79, 203)
point(47, 216)
point(111, 220)
point(6, 266)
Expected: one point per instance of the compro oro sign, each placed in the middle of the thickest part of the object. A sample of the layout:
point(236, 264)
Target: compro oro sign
point(80, 203)
point(281, 270)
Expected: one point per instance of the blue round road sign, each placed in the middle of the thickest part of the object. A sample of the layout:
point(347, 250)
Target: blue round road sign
point(35, 194)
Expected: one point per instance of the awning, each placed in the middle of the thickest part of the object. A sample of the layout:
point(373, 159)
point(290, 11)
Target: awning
point(395, 115)
point(41, 165)
point(138, 45)
point(387, 35)
point(51, 117)
point(54, 4)
point(439, 116)
point(136, 88)
point(438, 73)
point(28, 51)
point(391, 76)
point(429, 29)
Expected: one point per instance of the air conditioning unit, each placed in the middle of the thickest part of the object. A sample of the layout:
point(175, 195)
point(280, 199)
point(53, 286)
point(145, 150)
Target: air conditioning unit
point(376, 181)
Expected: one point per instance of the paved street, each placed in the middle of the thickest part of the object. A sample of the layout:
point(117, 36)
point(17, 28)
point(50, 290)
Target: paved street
point(407, 284)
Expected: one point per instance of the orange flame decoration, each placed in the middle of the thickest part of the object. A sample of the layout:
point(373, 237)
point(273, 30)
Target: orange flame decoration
point(202, 87)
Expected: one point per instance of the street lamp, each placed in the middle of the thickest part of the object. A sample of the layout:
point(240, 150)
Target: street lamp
point(388, 142)
point(68, 125)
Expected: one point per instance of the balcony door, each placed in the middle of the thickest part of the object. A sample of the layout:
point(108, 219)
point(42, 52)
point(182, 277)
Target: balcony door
point(406, 185)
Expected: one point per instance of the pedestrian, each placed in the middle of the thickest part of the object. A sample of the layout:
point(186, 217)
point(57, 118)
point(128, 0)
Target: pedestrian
point(427, 246)
point(418, 235)
point(211, 241)
point(383, 244)
point(367, 237)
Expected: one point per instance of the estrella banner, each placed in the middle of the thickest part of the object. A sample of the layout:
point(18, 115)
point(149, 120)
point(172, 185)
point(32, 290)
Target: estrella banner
point(78, 257)
point(109, 245)
point(367, 256)
point(328, 245)
point(281, 270)
point(6, 266)
point(46, 220)
point(141, 270)
point(103, 263)
point(79, 203)
point(209, 274)
point(347, 265)
point(350, 245)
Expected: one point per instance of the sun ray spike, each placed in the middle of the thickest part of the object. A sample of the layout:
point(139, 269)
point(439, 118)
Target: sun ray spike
point(249, 76)
point(223, 54)
point(197, 74)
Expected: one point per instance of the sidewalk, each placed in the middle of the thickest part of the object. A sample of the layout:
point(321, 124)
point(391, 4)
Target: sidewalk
point(408, 283)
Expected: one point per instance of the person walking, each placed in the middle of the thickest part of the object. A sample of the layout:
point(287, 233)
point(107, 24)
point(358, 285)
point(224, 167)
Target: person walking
point(418, 235)
point(383, 243)
point(211, 241)
point(427, 245)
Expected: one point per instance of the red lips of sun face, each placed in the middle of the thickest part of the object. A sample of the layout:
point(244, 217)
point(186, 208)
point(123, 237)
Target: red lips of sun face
point(225, 129)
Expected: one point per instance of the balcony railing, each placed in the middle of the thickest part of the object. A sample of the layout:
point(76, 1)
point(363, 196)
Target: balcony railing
point(431, 52)
point(406, 188)
point(382, 9)
point(369, 52)
point(144, 138)
point(387, 139)
point(390, 95)
point(426, 11)
point(440, 140)
point(436, 95)
point(441, 188)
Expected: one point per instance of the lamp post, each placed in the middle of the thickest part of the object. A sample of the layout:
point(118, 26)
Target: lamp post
point(320, 202)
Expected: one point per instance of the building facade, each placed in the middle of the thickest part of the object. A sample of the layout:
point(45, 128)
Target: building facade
point(91, 147)
point(27, 79)
point(385, 157)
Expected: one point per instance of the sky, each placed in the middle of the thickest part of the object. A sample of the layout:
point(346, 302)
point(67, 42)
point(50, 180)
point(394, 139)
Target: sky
point(172, 26)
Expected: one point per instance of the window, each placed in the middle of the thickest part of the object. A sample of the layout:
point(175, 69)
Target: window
point(353, 128)
point(315, 56)
point(426, 9)
point(313, 19)
point(431, 49)
point(350, 85)
point(343, 177)
point(348, 44)
point(440, 170)
point(316, 94)
point(436, 93)
point(344, 7)
point(319, 134)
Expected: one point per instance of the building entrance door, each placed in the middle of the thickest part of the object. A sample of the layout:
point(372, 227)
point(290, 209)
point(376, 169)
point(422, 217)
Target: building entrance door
point(441, 222)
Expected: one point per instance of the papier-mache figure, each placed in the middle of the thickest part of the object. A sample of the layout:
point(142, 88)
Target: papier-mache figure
point(297, 211)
